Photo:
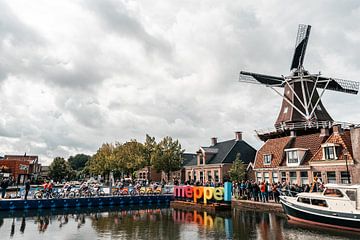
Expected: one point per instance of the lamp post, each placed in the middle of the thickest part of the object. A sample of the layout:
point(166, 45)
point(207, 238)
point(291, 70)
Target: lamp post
point(345, 152)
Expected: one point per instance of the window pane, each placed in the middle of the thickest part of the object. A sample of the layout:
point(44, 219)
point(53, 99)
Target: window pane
point(344, 177)
point(319, 202)
point(351, 194)
point(331, 177)
point(304, 200)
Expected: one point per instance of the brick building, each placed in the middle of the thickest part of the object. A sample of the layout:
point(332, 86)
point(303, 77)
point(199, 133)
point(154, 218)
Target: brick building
point(329, 154)
point(21, 167)
point(212, 163)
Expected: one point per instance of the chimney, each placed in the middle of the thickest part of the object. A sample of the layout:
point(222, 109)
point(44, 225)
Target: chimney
point(213, 141)
point(292, 133)
point(337, 129)
point(238, 136)
point(324, 132)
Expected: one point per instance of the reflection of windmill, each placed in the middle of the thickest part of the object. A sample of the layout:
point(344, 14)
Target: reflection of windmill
point(301, 108)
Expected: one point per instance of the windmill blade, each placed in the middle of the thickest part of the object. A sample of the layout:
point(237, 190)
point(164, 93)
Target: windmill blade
point(339, 85)
point(257, 78)
point(300, 47)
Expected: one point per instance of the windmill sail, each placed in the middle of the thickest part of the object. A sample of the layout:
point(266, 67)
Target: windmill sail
point(338, 85)
point(300, 47)
point(257, 78)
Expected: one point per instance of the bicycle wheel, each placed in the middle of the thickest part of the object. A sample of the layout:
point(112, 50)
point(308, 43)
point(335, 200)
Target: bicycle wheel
point(38, 195)
point(101, 193)
point(71, 195)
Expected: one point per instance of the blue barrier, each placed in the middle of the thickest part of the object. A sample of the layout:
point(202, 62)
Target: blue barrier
point(19, 204)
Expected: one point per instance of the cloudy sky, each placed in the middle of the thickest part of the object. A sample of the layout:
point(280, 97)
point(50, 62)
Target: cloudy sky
point(75, 74)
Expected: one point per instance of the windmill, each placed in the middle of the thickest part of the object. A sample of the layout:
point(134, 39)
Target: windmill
point(301, 109)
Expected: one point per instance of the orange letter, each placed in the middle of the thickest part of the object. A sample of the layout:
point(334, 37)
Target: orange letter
point(198, 193)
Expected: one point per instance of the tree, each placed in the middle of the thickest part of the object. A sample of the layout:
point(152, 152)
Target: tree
point(78, 162)
point(167, 156)
point(132, 156)
point(102, 162)
point(59, 169)
point(149, 149)
point(237, 171)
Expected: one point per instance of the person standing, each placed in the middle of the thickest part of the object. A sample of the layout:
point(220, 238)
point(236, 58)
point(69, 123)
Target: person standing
point(27, 188)
point(4, 186)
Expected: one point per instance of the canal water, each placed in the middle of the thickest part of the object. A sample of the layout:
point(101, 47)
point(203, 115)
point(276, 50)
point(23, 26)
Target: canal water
point(155, 223)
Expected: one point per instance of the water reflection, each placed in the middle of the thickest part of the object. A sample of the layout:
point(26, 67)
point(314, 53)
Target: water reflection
point(154, 223)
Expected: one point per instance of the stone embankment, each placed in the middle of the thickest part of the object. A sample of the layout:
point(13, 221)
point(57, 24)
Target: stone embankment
point(257, 206)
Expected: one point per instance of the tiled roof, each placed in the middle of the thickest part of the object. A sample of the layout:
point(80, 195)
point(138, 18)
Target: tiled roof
point(344, 139)
point(189, 159)
point(227, 151)
point(312, 142)
point(275, 147)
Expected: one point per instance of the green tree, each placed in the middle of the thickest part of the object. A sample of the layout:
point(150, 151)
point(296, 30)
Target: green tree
point(78, 162)
point(132, 156)
point(237, 171)
point(149, 149)
point(59, 169)
point(167, 156)
point(102, 162)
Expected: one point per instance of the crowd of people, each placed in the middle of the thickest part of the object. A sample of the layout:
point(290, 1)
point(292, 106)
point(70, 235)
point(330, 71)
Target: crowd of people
point(264, 191)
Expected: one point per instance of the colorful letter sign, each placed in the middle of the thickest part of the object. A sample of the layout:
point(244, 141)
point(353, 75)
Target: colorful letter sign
point(205, 193)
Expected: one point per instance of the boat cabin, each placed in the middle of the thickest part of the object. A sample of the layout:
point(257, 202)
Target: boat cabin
point(330, 196)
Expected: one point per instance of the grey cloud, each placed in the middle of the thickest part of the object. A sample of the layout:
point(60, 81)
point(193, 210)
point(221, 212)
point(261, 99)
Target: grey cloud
point(117, 18)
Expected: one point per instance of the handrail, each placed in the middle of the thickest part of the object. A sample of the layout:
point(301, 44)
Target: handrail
point(304, 125)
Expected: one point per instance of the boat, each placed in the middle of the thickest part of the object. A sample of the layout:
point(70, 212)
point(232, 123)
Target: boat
point(338, 206)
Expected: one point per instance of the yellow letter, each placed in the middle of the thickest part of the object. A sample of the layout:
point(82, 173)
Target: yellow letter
point(208, 194)
point(219, 193)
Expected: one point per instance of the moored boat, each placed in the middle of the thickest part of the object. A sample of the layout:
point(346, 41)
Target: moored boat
point(337, 206)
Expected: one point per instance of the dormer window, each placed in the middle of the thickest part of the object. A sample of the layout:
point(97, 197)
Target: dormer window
point(329, 151)
point(294, 156)
point(267, 159)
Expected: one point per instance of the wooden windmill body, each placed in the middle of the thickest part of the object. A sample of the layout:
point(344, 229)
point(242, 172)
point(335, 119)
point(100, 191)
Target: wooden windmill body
point(302, 110)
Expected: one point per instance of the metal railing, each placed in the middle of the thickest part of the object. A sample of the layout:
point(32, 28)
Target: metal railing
point(304, 126)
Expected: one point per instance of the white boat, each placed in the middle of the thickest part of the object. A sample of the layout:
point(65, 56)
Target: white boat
point(337, 206)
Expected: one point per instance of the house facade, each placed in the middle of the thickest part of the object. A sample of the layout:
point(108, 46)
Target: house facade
point(332, 155)
point(21, 167)
point(212, 163)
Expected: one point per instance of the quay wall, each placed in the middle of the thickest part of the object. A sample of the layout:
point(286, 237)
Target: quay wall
point(190, 206)
point(257, 206)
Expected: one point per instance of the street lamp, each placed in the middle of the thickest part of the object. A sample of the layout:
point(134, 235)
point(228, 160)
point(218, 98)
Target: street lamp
point(345, 153)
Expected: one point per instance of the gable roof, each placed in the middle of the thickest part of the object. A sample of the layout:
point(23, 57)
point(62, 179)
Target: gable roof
point(225, 152)
point(189, 159)
point(344, 139)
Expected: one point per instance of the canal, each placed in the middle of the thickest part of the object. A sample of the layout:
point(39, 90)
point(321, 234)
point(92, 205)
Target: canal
point(155, 223)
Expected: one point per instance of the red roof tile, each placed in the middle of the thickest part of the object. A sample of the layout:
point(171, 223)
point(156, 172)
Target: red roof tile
point(275, 147)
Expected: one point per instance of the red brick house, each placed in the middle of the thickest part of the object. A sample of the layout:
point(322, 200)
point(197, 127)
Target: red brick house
point(328, 155)
point(21, 167)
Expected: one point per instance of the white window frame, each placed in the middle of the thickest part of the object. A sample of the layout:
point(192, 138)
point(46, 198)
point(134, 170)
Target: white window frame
point(267, 157)
point(300, 153)
point(329, 145)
